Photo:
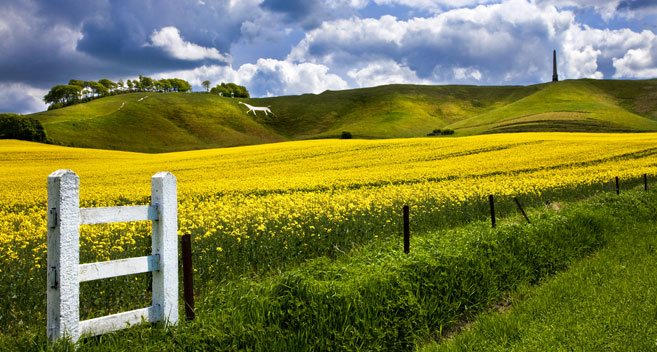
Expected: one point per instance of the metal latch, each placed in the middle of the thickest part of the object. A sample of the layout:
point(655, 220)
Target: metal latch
point(53, 277)
point(52, 219)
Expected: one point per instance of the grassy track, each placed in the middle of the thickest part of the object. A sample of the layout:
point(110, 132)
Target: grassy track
point(607, 302)
point(162, 122)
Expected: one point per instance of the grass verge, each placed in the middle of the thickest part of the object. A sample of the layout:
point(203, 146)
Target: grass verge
point(377, 298)
point(607, 302)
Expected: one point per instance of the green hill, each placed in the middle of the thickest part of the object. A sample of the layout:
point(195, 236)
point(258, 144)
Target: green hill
point(155, 122)
point(160, 122)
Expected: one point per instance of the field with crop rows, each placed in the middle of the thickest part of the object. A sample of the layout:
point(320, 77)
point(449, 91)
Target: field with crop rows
point(256, 210)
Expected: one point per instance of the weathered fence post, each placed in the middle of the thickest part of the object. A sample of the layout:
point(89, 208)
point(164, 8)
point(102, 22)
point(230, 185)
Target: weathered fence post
point(407, 231)
point(65, 273)
point(63, 255)
point(491, 202)
point(645, 182)
point(165, 244)
point(521, 210)
point(188, 275)
point(617, 186)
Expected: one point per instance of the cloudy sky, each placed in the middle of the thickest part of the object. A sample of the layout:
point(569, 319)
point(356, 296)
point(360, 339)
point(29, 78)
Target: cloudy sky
point(283, 47)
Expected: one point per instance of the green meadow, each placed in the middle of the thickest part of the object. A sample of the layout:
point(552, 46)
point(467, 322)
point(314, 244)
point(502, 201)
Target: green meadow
point(163, 122)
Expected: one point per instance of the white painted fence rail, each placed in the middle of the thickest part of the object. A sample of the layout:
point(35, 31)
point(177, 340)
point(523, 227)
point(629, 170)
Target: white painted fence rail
point(65, 273)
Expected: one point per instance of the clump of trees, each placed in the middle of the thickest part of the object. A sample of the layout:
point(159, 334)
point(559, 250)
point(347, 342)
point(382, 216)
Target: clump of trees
point(13, 126)
point(439, 132)
point(231, 90)
point(77, 91)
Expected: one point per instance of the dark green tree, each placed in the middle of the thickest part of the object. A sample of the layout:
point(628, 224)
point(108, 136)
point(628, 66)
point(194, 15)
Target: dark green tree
point(62, 94)
point(14, 126)
point(206, 85)
point(146, 82)
point(111, 86)
point(231, 90)
point(77, 82)
point(98, 89)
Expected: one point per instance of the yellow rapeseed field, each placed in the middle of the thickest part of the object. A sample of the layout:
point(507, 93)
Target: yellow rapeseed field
point(249, 205)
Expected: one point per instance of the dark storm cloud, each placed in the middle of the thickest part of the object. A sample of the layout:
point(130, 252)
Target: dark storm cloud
point(636, 5)
point(307, 13)
point(45, 42)
point(71, 12)
point(18, 98)
point(51, 42)
point(121, 34)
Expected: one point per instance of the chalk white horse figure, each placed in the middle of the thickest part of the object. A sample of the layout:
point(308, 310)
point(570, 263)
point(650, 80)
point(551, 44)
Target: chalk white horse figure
point(265, 109)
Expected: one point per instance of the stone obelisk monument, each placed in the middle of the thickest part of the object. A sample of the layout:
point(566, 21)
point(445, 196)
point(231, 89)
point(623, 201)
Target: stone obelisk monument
point(555, 77)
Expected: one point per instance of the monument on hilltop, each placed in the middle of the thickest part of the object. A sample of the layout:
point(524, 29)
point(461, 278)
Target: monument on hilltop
point(555, 76)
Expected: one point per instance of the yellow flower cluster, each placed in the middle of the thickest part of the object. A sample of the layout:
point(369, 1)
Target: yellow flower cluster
point(299, 191)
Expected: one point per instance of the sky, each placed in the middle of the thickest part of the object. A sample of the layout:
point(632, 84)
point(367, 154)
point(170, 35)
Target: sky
point(287, 47)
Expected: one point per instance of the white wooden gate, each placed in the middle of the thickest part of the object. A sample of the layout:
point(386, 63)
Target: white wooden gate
point(65, 271)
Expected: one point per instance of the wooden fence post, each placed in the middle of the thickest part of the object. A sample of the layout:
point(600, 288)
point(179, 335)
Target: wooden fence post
point(188, 275)
point(407, 231)
point(521, 210)
point(645, 182)
point(491, 202)
point(165, 244)
point(617, 186)
point(63, 290)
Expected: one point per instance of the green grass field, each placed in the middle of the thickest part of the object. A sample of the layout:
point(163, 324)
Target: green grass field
point(165, 122)
point(605, 302)
point(586, 256)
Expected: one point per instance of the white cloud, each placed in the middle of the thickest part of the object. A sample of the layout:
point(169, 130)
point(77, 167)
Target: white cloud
point(486, 43)
point(638, 63)
point(433, 4)
point(169, 39)
point(384, 72)
point(268, 77)
point(466, 73)
point(585, 47)
point(357, 4)
point(507, 42)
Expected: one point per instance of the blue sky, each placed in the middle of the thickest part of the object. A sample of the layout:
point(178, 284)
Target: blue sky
point(281, 47)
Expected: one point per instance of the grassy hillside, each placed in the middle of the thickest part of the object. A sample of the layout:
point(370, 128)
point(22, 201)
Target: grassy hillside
point(574, 106)
point(385, 111)
point(155, 122)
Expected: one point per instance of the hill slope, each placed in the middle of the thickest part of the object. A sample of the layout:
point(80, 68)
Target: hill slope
point(156, 122)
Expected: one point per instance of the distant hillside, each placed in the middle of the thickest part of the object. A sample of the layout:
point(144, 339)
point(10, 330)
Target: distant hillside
point(155, 122)
point(160, 122)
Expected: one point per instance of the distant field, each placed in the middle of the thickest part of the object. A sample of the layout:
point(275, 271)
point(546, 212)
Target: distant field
point(164, 122)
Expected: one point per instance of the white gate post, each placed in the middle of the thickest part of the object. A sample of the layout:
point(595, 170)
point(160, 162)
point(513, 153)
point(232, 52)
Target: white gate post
point(63, 255)
point(165, 244)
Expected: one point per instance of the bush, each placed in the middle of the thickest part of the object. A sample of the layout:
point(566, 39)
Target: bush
point(345, 135)
point(13, 126)
point(447, 131)
point(437, 131)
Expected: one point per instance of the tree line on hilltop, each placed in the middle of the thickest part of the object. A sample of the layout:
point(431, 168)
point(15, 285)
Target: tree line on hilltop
point(230, 90)
point(77, 91)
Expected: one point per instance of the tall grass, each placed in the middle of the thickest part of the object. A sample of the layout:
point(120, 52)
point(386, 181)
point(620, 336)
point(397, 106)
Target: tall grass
point(377, 298)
